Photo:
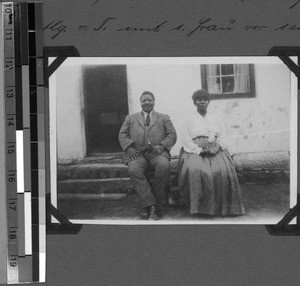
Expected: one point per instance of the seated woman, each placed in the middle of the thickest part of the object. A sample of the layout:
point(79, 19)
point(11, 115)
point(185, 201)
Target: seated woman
point(207, 177)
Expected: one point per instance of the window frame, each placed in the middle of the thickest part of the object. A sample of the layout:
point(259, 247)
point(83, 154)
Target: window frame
point(249, 94)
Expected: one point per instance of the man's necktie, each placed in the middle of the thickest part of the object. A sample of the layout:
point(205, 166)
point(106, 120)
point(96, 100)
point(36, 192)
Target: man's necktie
point(148, 119)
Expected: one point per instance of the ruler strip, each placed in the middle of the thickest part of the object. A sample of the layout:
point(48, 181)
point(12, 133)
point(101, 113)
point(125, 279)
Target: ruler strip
point(18, 69)
point(28, 223)
point(3, 183)
point(22, 87)
point(24, 31)
point(19, 134)
point(26, 125)
point(21, 226)
point(11, 128)
point(22, 146)
point(24, 112)
point(42, 140)
point(42, 181)
point(20, 161)
point(37, 135)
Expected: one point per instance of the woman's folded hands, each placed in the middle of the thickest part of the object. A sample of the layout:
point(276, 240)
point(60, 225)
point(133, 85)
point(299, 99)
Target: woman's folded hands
point(210, 151)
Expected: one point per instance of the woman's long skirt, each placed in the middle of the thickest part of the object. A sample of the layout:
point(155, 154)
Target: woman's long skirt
point(209, 184)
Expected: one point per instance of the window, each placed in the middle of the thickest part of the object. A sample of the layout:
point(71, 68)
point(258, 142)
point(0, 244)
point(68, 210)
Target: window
point(228, 80)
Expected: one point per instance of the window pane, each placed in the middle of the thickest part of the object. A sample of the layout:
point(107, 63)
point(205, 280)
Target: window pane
point(227, 69)
point(242, 69)
point(213, 85)
point(218, 69)
point(212, 70)
point(241, 83)
point(228, 84)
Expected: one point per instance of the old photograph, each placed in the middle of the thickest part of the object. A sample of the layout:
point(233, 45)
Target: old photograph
point(181, 140)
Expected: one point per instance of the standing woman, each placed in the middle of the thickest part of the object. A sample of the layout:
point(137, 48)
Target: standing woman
point(207, 177)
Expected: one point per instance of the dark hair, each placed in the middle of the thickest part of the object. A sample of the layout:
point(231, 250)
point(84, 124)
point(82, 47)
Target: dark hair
point(200, 93)
point(147, 92)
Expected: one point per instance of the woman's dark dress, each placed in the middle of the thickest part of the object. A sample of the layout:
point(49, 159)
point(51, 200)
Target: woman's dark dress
point(209, 184)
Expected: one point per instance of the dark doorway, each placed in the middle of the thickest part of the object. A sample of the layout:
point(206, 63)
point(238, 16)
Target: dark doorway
point(106, 105)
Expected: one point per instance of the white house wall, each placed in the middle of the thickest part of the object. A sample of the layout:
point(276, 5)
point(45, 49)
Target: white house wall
point(261, 123)
point(70, 113)
point(251, 124)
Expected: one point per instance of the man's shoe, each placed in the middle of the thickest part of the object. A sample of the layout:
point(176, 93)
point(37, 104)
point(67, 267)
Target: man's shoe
point(145, 212)
point(154, 213)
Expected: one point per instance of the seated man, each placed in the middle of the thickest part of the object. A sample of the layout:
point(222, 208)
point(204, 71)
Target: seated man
point(147, 138)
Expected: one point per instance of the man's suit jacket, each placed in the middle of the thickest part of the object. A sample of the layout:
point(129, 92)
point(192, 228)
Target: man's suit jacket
point(160, 131)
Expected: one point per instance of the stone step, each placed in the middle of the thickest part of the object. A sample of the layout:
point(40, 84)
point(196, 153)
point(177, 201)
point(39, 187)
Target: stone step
point(92, 171)
point(105, 158)
point(94, 186)
point(263, 177)
point(265, 167)
point(92, 196)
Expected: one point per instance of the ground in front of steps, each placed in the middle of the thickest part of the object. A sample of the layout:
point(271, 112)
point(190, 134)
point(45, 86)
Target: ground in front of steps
point(264, 204)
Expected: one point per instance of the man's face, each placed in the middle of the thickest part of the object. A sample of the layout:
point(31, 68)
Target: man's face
point(147, 103)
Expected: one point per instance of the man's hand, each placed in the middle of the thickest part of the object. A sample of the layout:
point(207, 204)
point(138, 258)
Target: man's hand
point(158, 149)
point(214, 150)
point(132, 153)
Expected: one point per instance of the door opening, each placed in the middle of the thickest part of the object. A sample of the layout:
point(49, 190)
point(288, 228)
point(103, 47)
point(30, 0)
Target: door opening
point(106, 106)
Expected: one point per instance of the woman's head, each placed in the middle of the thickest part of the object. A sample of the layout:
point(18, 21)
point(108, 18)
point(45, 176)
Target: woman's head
point(201, 100)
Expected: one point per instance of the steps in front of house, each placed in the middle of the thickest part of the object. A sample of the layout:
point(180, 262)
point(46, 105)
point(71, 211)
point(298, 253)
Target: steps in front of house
point(92, 171)
point(93, 180)
point(107, 177)
point(94, 186)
